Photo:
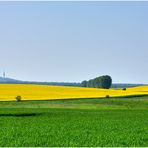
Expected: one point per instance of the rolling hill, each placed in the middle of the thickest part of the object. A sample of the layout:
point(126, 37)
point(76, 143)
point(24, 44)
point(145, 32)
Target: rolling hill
point(9, 80)
point(15, 81)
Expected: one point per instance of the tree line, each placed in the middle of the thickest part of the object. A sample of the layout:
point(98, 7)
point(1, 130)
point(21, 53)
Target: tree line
point(98, 82)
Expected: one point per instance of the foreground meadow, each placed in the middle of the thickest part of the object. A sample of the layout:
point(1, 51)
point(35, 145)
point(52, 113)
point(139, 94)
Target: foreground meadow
point(8, 92)
point(76, 122)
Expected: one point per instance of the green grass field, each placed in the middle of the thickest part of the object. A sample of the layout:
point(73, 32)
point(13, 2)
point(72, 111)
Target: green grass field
point(80, 122)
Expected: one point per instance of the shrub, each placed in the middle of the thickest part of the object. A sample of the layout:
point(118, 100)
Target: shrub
point(18, 98)
point(107, 96)
point(124, 89)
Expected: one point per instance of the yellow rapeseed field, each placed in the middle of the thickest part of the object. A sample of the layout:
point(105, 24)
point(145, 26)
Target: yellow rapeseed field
point(8, 92)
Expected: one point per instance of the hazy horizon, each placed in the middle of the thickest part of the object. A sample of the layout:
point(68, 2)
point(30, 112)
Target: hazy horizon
point(74, 41)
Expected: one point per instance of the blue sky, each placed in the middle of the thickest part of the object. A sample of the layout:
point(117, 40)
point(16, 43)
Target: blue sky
point(73, 41)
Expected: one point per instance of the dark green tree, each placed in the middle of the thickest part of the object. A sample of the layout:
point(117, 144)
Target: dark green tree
point(98, 82)
point(106, 81)
point(84, 83)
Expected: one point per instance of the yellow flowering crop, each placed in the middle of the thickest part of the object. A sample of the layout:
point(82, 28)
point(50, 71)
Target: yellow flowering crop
point(8, 92)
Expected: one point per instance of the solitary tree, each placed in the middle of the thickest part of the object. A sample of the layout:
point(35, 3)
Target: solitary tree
point(18, 98)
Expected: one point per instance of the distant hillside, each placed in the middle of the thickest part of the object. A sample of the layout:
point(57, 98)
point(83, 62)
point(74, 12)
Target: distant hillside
point(9, 80)
point(125, 85)
point(14, 81)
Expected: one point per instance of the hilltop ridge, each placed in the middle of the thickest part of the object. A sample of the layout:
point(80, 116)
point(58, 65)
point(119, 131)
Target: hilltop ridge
point(7, 80)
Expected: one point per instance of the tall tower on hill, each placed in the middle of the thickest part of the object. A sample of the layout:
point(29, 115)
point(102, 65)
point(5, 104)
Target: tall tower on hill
point(4, 74)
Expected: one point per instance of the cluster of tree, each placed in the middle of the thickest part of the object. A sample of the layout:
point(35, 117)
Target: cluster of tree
point(98, 82)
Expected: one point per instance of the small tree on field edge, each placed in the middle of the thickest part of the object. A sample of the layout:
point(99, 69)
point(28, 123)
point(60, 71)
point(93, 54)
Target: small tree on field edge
point(124, 89)
point(18, 98)
point(107, 96)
